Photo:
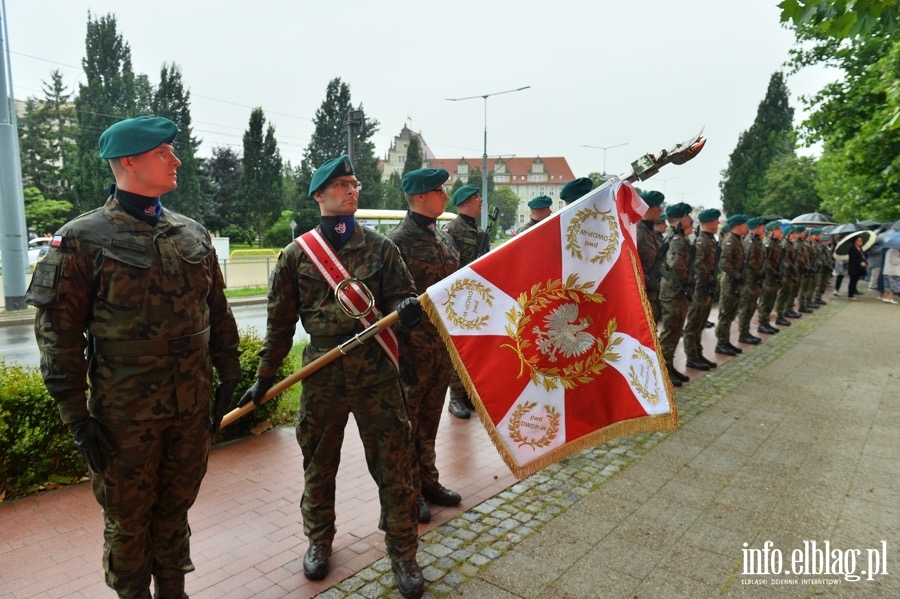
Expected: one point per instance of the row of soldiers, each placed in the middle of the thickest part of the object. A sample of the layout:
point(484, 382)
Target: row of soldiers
point(754, 267)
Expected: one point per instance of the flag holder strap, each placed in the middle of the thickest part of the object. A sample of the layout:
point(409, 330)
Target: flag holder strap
point(643, 168)
point(317, 364)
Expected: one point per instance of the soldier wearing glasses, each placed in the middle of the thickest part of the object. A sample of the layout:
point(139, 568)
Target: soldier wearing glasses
point(430, 255)
point(364, 382)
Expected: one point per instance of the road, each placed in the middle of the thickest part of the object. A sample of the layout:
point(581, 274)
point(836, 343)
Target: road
point(17, 342)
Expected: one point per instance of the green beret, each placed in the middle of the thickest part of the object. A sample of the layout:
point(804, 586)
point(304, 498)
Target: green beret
point(709, 215)
point(136, 136)
point(799, 229)
point(816, 231)
point(424, 180)
point(736, 220)
point(652, 198)
point(576, 188)
point(336, 167)
point(773, 225)
point(756, 221)
point(463, 193)
point(662, 216)
point(540, 202)
point(678, 210)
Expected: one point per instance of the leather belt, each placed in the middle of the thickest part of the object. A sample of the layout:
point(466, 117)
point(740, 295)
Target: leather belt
point(157, 347)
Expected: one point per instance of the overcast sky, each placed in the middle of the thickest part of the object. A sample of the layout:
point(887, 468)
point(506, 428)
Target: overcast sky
point(647, 74)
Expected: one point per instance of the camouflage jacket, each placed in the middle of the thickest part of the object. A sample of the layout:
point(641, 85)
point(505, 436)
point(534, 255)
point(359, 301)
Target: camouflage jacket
point(731, 262)
point(676, 279)
point(755, 257)
point(803, 257)
point(137, 292)
point(649, 243)
point(772, 262)
point(466, 237)
point(429, 258)
point(299, 291)
point(706, 252)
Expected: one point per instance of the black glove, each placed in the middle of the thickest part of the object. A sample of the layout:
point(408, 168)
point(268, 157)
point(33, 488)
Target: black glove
point(224, 396)
point(410, 312)
point(92, 443)
point(256, 391)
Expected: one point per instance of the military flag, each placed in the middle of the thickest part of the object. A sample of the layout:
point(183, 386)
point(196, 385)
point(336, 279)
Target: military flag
point(553, 335)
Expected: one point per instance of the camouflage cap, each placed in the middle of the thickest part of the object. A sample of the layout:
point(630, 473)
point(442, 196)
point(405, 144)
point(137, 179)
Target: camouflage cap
point(709, 215)
point(136, 136)
point(336, 167)
point(424, 180)
point(540, 202)
point(652, 198)
point(463, 193)
point(575, 188)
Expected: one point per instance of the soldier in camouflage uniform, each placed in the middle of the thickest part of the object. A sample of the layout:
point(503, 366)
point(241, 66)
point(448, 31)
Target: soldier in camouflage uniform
point(784, 305)
point(755, 254)
point(731, 265)
point(771, 277)
point(140, 289)
point(825, 262)
point(540, 209)
point(675, 287)
point(364, 382)
point(808, 274)
point(430, 255)
point(650, 248)
point(466, 235)
point(706, 260)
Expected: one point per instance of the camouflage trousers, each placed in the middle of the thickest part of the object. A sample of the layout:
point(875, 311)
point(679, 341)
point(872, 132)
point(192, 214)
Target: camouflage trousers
point(425, 401)
point(674, 311)
point(784, 302)
point(822, 279)
point(697, 316)
point(384, 429)
point(749, 296)
point(655, 305)
point(729, 301)
point(767, 302)
point(807, 287)
point(145, 494)
point(457, 390)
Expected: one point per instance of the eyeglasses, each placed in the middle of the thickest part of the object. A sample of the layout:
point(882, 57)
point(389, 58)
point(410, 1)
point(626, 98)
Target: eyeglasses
point(348, 185)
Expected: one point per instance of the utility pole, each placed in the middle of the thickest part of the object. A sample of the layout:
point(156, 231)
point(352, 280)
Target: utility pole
point(355, 125)
point(13, 232)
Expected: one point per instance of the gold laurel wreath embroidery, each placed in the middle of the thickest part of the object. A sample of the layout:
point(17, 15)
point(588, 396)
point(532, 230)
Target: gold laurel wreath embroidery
point(516, 421)
point(578, 372)
point(476, 287)
point(647, 374)
point(582, 215)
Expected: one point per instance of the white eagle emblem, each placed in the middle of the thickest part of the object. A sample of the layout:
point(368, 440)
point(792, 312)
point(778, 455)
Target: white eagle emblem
point(564, 334)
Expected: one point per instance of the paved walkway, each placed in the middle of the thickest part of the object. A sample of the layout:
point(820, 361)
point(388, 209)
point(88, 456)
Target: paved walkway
point(793, 442)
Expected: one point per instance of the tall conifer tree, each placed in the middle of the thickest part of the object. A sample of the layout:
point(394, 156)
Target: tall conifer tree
point(260, 187)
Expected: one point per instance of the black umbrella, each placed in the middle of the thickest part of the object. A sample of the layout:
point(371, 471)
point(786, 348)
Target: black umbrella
point(814, 219)
point(842, 229)
point(770, 217)
point(890, 239)
point(868, 224)
point(843, 246)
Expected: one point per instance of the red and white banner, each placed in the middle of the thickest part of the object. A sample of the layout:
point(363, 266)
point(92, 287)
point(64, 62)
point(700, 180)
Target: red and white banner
point(552, 334)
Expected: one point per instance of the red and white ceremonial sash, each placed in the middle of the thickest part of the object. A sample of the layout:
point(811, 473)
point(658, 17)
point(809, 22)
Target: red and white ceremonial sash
point(351, 296)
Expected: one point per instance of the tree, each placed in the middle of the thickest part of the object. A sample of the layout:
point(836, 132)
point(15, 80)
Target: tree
point(769, 138)
point(259, 190)
point(173, 102)
point(329, 140)
point(224, 171)
point(475, 179)
point(43, 215)
point(508, 202)
point(413, 155)
point(393, 193)
point(840, 18)
point(107, 96)
point(789, 187)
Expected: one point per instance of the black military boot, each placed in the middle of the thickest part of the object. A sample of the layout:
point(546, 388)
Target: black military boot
point(424, 510)
point(408, 575)
point(792, 314)
point(782, 321)
point(676, 382)
point(712, 363)
point(440, 495)
point(458, 408)
point(749, 339)
point(767, 329)
point(315, 562)
point(679, 375)
point(806, 309)
point(169, 587)
point(698, 364)
point(726, 349)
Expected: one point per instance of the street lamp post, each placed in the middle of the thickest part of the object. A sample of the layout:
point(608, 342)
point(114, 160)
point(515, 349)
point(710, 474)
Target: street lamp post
point(484, 157)
point(605, 148)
